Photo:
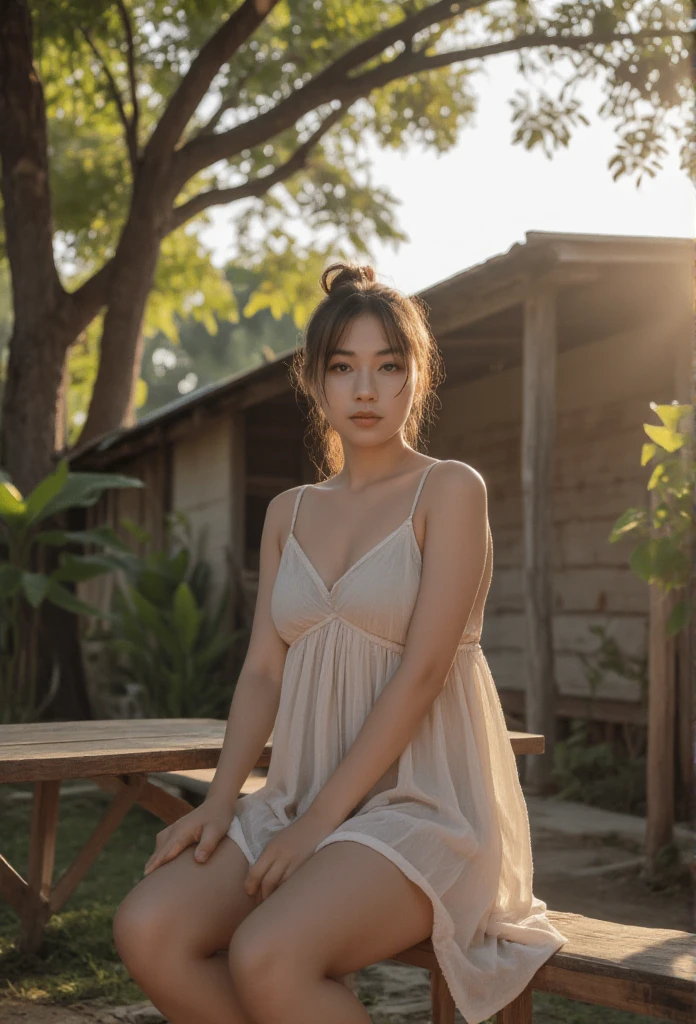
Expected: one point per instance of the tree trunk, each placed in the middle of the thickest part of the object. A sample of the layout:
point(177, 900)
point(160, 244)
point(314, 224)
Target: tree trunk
point(31, 397)
point(41, 334)
point(121, 342)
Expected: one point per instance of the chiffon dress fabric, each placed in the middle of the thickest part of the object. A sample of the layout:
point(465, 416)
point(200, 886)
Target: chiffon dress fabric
point(449, 812)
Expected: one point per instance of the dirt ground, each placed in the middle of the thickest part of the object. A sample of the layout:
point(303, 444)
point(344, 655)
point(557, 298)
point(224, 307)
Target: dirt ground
point(597, 878)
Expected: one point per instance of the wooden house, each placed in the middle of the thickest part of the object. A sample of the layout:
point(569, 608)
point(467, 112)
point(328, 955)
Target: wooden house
point(553, 351)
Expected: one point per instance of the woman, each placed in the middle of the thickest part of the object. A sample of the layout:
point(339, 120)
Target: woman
point(392, 809)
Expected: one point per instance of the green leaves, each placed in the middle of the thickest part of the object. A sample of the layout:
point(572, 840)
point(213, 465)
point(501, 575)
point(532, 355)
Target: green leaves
point(46, 491)
point(664, 530)
point(12, 508)
point(168, 638)
point(186, 616)
point(668, 439)
point(24, 587)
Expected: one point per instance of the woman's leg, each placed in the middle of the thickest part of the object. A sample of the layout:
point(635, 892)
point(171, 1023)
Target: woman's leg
point(346, 907)
point(168, 928)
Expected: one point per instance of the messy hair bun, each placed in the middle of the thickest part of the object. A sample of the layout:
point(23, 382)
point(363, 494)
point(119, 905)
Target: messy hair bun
point(346, 275)
point(350, 291)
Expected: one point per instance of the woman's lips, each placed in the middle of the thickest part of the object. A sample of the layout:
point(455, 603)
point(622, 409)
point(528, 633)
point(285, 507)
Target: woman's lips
point(366, 421)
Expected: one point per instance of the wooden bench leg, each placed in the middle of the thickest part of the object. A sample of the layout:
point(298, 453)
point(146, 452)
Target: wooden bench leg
point(519, 1011)
point(42, 850)
point(441, 998)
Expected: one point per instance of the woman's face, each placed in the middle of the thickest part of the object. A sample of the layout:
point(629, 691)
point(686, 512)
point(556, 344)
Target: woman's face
point(364, 376)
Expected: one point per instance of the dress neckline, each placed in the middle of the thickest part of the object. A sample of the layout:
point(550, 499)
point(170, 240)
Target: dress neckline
point(408, 521)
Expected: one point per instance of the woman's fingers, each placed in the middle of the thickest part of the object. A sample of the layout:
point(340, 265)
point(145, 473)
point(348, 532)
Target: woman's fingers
point(271, 880)
point(210, 837)
point(170, 844)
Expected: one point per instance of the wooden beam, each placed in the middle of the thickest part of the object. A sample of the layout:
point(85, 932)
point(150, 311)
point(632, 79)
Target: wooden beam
point(467, 309)
point(538, 426)
point(236, 552)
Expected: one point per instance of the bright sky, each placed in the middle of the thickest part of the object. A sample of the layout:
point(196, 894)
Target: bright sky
point(477, 200)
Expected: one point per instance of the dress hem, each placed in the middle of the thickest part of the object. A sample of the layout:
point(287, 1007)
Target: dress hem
point(442, 934)
point(443, 931)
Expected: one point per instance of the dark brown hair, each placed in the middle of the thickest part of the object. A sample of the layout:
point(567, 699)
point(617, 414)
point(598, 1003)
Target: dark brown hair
point(352, 291)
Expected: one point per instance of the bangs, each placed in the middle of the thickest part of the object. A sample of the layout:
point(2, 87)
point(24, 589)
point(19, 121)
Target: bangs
point(336, 328)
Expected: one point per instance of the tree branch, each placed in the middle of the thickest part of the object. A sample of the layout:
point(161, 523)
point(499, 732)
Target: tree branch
point(210, 58)
point(534, 40)
point(131, 143)
point(225, 105)
point(83, 304)
point(203, 151)
point(128, 29)
point(259, 186)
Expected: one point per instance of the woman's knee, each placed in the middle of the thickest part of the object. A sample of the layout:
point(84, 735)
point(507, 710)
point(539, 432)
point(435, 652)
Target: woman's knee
point(137, 927)
point(264, 969)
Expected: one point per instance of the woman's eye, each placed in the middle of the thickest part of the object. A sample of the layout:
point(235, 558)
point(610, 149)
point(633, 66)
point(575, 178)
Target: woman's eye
point(338, 366)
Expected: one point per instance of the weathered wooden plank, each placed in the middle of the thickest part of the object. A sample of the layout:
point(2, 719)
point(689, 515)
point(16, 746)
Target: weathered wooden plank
point(538, 418)
point(517, 1012)
point(13, 888)
point(643, 970)
point(441, 998)
point(73, 750)
point(579, 707)
point(661, 724)
point(42, 852)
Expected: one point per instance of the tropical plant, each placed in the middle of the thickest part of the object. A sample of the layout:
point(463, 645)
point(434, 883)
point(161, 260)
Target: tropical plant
point(665, 528)
point(28, 578)
point(166, 637)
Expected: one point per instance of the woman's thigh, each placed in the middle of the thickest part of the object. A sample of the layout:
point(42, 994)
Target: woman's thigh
point(344, 908)
point(194, 907)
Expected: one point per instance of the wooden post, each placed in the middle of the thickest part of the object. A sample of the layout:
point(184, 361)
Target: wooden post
point(666, 689)
point(517, 1012)
point(685, 391)
point(538, 423)
point(237, 521)
point(660, 767)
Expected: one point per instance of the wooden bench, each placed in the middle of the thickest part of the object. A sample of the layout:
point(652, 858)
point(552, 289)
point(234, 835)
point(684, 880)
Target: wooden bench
point(120, 756)
point(642, 970)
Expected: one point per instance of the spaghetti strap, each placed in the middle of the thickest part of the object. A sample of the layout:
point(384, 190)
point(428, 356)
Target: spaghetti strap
point(420, 486)
point(294, 511)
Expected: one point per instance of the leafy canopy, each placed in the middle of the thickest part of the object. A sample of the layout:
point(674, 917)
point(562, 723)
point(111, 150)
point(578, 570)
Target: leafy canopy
point(111, 67)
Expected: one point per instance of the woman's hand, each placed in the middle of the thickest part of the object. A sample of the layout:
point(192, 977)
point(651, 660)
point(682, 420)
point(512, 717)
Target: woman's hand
point(283, 854)
point(205, 825)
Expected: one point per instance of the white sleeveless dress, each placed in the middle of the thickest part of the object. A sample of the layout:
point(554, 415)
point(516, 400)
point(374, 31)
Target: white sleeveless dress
point(449, 812)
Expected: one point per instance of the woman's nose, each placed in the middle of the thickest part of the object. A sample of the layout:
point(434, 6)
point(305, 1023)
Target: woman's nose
point(364, 383)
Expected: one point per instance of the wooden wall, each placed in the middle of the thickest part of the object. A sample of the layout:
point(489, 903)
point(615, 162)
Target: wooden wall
point(604, 390)
point(201, 488)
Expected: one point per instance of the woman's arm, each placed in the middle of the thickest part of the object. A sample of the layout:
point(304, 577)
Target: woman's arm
point(257, 693)
point(454, 559)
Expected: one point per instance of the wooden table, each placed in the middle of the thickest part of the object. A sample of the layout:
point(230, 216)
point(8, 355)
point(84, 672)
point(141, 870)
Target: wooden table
point(117, 755)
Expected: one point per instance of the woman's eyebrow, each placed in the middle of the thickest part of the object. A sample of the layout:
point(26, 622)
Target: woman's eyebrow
point(347, 352)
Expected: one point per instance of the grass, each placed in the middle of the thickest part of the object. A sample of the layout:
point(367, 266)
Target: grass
point(77, 960)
